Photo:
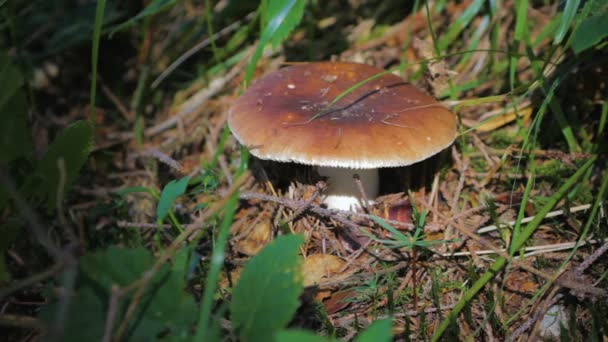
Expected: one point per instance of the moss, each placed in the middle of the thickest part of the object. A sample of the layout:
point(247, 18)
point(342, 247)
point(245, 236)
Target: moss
point(501, 139)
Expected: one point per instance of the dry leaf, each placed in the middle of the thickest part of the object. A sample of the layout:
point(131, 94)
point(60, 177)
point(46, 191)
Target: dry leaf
point(438, 75)
point(319, 266)
point(257, 238)
point(499, 120)
point(339, 301)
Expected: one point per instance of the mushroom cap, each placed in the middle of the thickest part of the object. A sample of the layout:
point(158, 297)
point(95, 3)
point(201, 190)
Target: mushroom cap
point(288, 116)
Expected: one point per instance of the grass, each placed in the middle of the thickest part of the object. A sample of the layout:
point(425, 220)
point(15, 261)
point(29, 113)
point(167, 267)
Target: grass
point(548, 153)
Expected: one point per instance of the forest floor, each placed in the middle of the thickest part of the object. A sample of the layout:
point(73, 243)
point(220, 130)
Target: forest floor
point(500, 235)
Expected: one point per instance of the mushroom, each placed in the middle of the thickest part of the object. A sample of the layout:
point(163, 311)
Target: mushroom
point(291, 115)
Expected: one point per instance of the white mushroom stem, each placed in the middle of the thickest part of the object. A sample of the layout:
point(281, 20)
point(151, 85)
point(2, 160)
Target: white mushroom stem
point(343, 192)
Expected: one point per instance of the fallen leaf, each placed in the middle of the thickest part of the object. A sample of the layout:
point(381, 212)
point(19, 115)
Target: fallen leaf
point(339, 301)
point(257, 238)
point(492, 123)
point(319, 266)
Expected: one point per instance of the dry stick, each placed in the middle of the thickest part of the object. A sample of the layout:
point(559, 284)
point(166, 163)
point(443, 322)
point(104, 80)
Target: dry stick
point(555, 247)
point(518, 263)
point(530, 218)
point(126, 224)
point(364, 200)
point(122, 109)
point(189, 107)
point(350, 318)
point(162, 157)
point(226, 30)
point(462, 169)
point(141, 284)
point(532, 320)
point(195, 102)
point(20, 321)
point(27, 282)
point(515, 262)
point(299, 211)
point(338, 215)
point(578, 271)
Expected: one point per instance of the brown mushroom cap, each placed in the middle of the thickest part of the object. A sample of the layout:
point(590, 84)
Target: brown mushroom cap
point(386, 122)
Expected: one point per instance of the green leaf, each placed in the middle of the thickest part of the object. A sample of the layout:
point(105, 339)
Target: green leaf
point(154, 7)
point(282, 17)
point(591, 31)
point(266, 296)
point(11, 78)
point(298, 336)
point(15, 140)
point(73, 146)
point(567, 18)
point(379, 331)
point(164, 309)
point(170, 193)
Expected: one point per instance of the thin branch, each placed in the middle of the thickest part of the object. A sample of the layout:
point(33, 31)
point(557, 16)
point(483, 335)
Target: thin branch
point(27, 282)
point(528, 219)
point(199, 46)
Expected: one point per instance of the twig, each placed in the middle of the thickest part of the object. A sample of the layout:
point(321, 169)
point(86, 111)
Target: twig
point(297, 212)
point(532, 320)
point(338, 215)
point(129, 116)
point(528, 219)
point(199, 46)
point(20, 321)
point(410, 313)
point(126, 224)
point(463, 166)
point(364, 199)
point(189, 107)
point(532, 249)
point(163, 158)
point(27, 282)
point(578, 271)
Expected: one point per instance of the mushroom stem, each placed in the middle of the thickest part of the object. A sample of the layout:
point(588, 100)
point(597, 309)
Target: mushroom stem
point(343, 192)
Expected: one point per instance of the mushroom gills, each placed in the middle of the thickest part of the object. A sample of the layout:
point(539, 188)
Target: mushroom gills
point(342, 192)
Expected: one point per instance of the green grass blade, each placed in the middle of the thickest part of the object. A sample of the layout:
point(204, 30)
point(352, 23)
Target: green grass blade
point(280, 17)
point(567, 18)
point(99, 13)
point(460, 24)
point(390, 228)
point(603, 119)
point(217, 257)
point(498, 265)
point(152, 8)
